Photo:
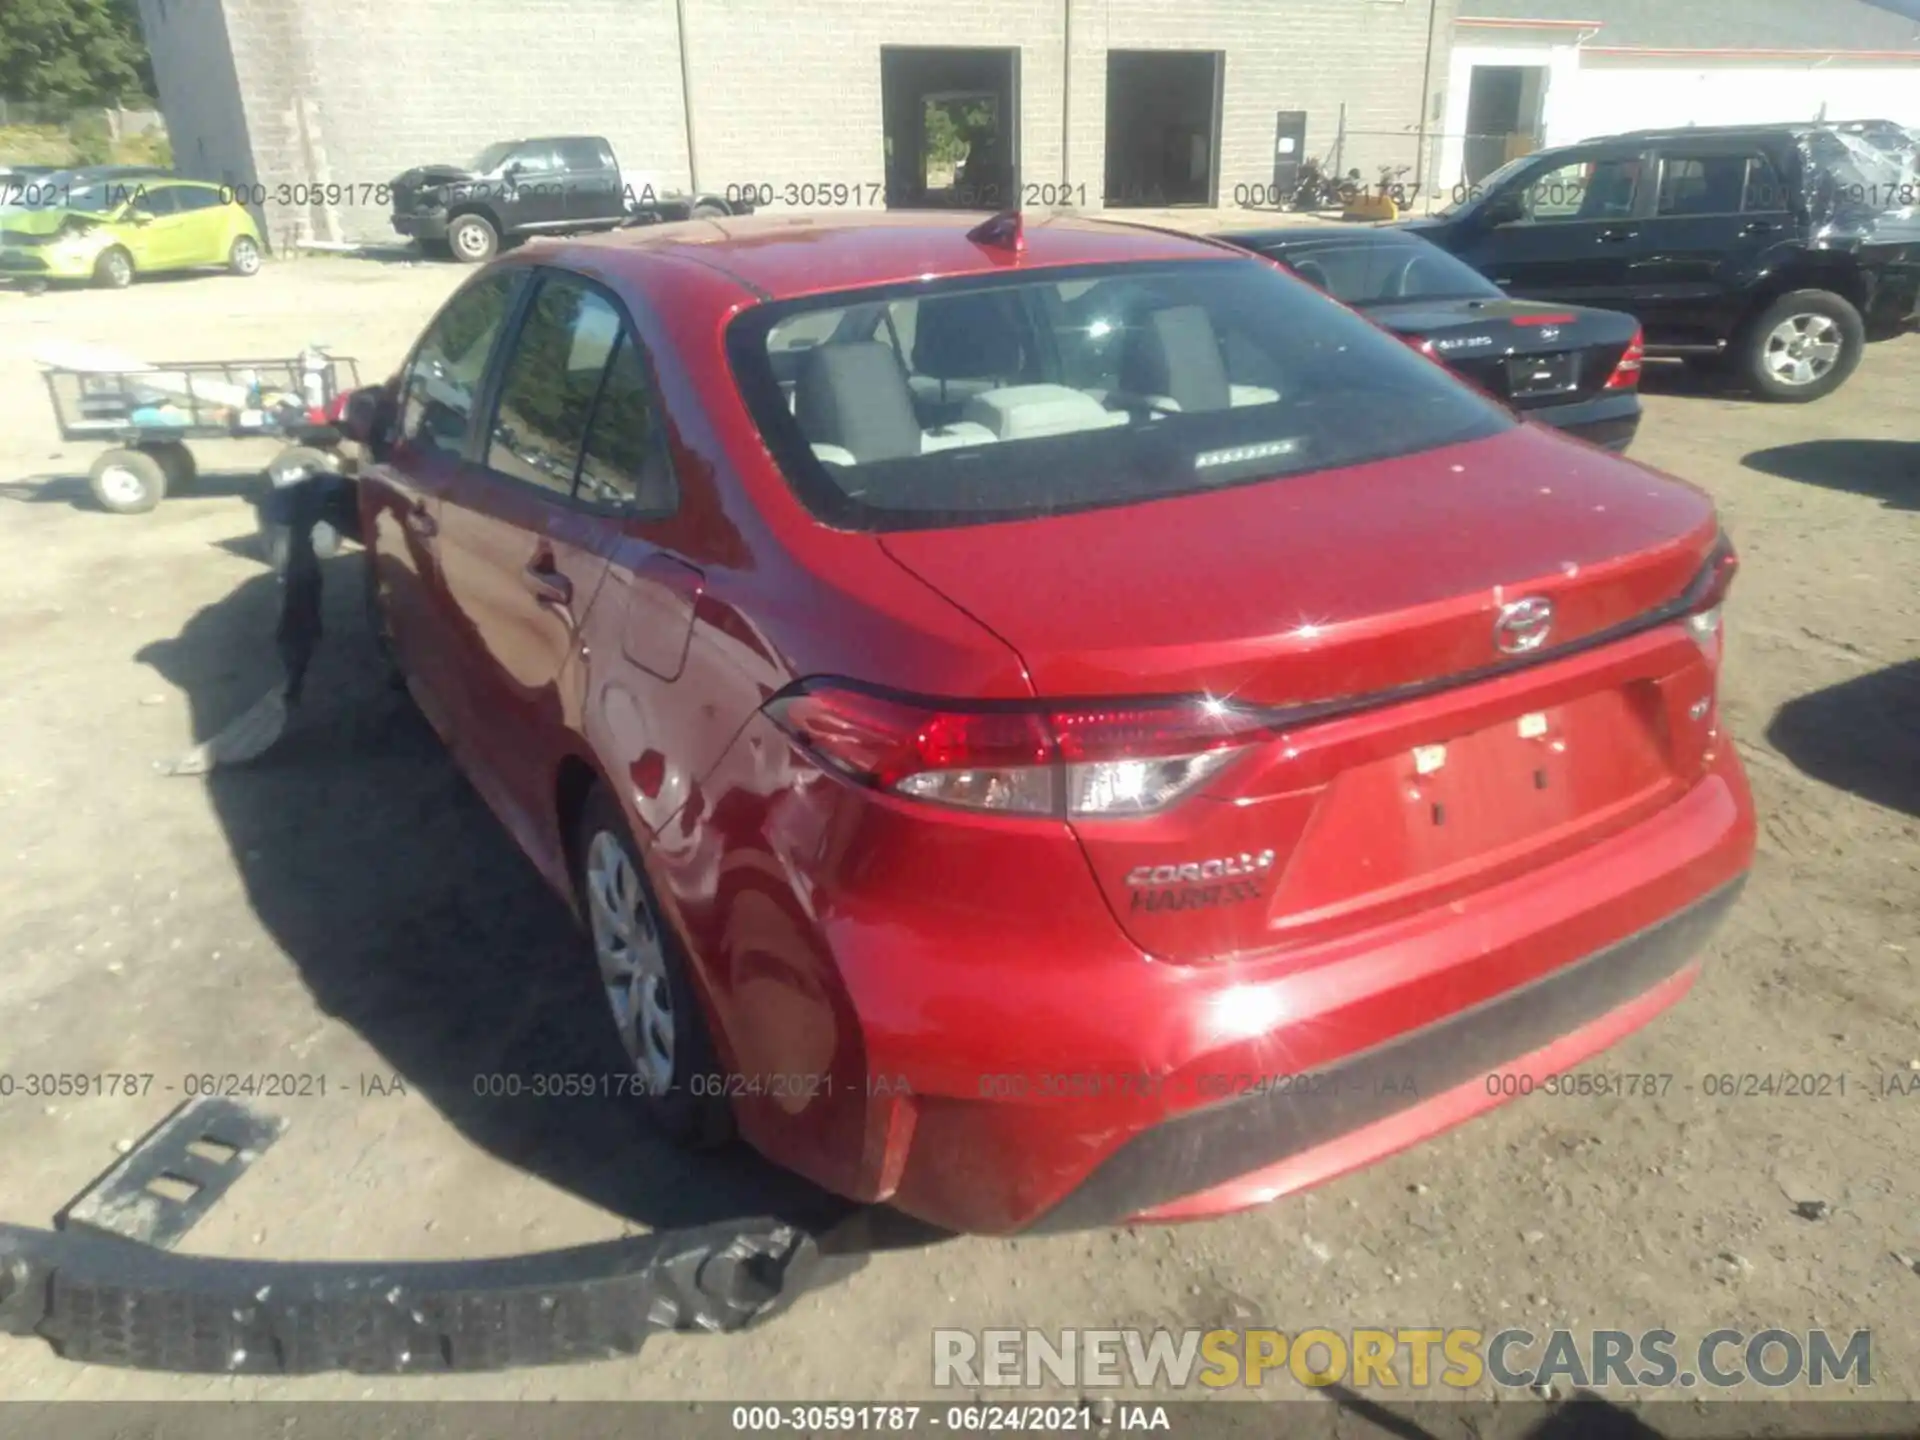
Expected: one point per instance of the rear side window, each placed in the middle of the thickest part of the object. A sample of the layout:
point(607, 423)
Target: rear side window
point(157, 201)
point(437, 395)
point(193, 197)
point(1380, 272)
point(1765, 192)
point(552, 379)
point(1713, 185)
point(956, 402)
point(627, 461)
point(582, 155)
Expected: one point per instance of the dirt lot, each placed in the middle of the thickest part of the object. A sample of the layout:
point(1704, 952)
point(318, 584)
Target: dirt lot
point(351, 910)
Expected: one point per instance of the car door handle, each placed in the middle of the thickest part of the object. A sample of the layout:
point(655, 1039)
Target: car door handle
point(547, 584)
point(419, 519)
point(1618, 237)
point(1760, 227)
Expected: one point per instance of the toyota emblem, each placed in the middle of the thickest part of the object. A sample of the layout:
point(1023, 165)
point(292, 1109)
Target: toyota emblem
point(1523, 626)
point(1552, 332)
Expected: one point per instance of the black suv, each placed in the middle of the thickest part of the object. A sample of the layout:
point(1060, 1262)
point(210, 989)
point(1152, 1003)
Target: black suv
point(1776, 250)
point(516, 189)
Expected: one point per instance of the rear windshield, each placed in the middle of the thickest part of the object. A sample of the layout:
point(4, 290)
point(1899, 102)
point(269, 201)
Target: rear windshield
point(948, 403)
point(1385, 272)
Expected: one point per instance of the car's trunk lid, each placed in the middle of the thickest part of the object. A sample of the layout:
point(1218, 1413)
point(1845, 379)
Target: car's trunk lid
point(1372, 592)
point(1518, 351)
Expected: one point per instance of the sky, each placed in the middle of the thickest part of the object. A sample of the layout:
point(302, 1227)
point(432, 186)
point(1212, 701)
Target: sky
point(1909, 8)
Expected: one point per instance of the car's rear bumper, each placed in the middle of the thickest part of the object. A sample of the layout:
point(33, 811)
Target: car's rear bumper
point(1390, 1097)
point(1609, 421)
point(1017, 1092)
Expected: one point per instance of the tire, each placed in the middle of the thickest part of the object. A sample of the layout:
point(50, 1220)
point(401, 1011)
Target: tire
point(710, 210)
point(127, 482)
point(243, 258)
point(177, 460)
point(387, 654)
point(472, 239)
point(1813, 334)
point(683, 1094)
point(114, 269)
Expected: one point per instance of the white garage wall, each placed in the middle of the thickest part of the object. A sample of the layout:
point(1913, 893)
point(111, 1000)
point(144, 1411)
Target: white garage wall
point(1613, 93)
point(1591, 94)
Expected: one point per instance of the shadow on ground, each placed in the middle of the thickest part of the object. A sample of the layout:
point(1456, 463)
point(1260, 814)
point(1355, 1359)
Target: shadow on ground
point(72, 490)
point(1584, 1417)
point(413, 918)
point(1862, 736)
point(1886, 470)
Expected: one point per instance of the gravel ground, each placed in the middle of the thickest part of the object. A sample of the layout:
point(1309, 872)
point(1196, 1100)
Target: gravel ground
point(352, 911)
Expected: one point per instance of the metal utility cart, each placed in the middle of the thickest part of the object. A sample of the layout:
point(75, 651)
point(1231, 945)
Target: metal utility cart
point(150, 412)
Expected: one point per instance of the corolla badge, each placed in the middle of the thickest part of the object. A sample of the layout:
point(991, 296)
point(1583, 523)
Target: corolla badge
point(1523, 626)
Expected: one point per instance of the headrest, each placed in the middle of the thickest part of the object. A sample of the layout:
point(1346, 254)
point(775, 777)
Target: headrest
point(967, 337)
point(855, 396)
point(1173, 352)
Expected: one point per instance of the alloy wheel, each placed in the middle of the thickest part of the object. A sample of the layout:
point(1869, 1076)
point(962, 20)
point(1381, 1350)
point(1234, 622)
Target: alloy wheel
point(633, 961)
point(1802, 349)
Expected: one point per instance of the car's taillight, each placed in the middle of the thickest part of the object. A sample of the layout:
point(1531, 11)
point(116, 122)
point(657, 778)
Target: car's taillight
point(1708, 592)
point(1626, 374)
point(1422, 345)
point(1085, 759)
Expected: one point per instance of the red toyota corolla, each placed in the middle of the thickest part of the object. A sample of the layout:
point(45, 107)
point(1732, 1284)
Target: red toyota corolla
point(1057, 726)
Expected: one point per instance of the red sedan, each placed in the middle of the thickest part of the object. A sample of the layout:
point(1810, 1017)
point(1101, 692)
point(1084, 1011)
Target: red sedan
point(1059, 725)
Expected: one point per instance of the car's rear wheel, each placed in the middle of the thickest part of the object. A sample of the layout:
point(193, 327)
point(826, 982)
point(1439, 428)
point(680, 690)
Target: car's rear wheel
point(114, 269)
point(243, 258)
point(1803, 346)
point(648, 989)
point(709, 210)
point(127, 482)
point(178, 463)
point(472, 239)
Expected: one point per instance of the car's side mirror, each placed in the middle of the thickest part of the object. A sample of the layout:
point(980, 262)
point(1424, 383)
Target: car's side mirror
point(369, 416)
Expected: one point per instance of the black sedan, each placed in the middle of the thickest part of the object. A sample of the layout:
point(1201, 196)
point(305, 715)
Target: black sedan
point(1564, 365)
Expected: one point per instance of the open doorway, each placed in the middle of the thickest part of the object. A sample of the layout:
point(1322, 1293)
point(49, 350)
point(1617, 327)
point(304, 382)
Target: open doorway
point(951, 119)
point(1163, 127)
point(1504, 106)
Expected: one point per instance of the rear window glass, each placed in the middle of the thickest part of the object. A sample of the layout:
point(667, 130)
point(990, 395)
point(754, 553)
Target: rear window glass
point(947, 402)
point(1383, 272)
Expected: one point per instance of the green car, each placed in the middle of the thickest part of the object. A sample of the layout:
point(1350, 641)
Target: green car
point(111, 231)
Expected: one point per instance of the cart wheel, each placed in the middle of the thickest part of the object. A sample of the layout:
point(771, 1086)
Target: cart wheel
point(127, 482)
point(177, 460)
point(114, 269)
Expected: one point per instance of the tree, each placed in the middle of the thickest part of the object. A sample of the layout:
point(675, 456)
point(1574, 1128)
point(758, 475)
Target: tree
point(72, 52)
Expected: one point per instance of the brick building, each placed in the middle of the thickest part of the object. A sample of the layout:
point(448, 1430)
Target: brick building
point(1127, 102)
